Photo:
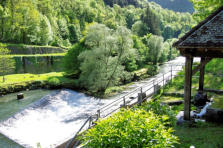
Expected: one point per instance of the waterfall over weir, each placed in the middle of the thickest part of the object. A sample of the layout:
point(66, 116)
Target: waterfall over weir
point(51, 120)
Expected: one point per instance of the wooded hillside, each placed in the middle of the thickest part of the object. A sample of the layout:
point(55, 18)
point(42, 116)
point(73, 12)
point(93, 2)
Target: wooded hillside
point(62, 23)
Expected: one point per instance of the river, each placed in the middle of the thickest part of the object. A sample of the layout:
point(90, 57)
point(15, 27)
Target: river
point(52, 117)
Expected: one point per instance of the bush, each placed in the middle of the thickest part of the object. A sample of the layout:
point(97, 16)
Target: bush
point(131, 128)
point(163, 110)
point(54, 81)
point(152, 70)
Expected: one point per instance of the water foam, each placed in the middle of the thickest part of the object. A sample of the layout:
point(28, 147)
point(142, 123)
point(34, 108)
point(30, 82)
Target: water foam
point(51, 120)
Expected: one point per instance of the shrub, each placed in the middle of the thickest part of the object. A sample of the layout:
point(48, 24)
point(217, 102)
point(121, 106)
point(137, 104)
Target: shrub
point(168, 115)
point(130, 128)
point(54, 81)
point(152, 70)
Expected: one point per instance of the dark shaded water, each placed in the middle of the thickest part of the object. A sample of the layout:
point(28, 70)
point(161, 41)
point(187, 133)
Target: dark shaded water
point(38, 64)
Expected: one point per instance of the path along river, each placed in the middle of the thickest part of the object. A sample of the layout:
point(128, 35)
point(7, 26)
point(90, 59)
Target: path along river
point(49, 118)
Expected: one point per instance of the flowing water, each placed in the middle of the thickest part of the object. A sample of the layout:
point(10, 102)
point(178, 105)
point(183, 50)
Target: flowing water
point(9, 106)
point(54, 118)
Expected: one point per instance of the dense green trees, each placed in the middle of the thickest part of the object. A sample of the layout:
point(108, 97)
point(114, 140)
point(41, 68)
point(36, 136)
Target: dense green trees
point(59, 23)
point(7, 64)
point(101, 65)
point(205, 7)
point(106, 57)
point(110, 39)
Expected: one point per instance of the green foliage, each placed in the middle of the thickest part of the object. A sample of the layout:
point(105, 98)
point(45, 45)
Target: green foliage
point(54, 81)
point(7, 64)
point(205, 7)
point(101, 66)
point(155, 45)
point(152, 21)
point(59, 23)
point(71, 62)
point(131, 128)
point(152, 70)
point(169, 115)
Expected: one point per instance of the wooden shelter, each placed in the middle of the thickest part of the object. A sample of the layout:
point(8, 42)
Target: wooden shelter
point(205, 41)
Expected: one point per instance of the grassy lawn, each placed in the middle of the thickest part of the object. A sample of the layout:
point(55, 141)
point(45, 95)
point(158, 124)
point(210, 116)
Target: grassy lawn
point(202, 136)
point(21, 78)
point(19, 82)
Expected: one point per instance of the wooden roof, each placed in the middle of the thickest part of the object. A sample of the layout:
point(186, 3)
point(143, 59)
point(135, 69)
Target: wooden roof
point(207, 34)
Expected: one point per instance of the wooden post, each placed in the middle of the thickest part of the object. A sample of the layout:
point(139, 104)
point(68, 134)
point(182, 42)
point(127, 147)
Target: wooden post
point(201, 78)
point(187, 87)
point(98, 116)
point(90, 121)
point(154, 86)
point(124, 103)
point(171, 73)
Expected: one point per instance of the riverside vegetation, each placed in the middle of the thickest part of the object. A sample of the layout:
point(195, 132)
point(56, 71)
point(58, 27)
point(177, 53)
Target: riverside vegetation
point(153, 124)
point(109, 44)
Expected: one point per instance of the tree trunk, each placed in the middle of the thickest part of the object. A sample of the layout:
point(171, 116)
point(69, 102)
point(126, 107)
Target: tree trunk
point(3, 78)
point(2, 28)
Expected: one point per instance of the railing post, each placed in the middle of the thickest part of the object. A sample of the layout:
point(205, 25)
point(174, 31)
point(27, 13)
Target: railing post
point(98, 115)
point(163, 82)
point(171, 73)
point(124, 103)
point(154, 86)
point(90, 121)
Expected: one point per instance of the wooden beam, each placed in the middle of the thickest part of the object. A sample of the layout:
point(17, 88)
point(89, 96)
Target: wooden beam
point(187, 87)
point(201, 65)
point(201, 78)
point(215, 53)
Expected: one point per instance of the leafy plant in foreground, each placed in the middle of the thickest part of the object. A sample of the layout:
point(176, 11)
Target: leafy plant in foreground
point(131, 128)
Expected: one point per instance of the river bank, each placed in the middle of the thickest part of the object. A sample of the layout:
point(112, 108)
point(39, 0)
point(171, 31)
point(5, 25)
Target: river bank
point(76, 102)
point(57, 80)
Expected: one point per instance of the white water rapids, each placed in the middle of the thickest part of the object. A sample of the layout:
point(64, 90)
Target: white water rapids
point(51, 120)
point(56, 118)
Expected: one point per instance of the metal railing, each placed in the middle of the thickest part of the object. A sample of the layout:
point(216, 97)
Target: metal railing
point(129, 99)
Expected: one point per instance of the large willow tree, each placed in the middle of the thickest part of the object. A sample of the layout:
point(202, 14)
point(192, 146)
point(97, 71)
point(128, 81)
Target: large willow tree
point(102, 65)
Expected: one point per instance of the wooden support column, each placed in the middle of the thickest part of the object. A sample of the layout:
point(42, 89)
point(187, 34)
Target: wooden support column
point(187, 87)
point(201, 78)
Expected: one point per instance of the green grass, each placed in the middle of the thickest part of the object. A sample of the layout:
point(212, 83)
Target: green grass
point(202, 136)
point(167, 99)
point(218, 102)
point(21, 78)
point(19, 82)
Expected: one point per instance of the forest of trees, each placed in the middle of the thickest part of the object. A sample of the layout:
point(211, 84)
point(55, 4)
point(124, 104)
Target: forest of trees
point(62, 23)
point(108, 39)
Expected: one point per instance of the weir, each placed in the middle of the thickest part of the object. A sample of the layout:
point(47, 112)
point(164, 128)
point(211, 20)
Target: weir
point(51, 120)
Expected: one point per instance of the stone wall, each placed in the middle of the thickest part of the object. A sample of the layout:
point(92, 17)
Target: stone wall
point(25, 49)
